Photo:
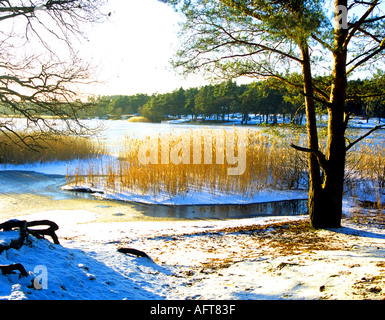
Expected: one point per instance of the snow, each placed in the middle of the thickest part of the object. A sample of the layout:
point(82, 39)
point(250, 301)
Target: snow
point(177, 121)
point(71, 274)
point(7, 237)
point(357, 122)
point(186, 258)
point(54, 167)
point(193, 197)
point(248, 259)
point(256, 119)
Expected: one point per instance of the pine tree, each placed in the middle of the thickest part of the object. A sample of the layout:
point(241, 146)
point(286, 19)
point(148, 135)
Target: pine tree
point(271, 39)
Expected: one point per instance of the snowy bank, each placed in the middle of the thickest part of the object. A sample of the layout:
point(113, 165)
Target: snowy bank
point(259, 258)
point(65, 273)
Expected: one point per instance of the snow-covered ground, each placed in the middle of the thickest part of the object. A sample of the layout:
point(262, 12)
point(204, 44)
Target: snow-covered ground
point(250, 258)
point(235, 259)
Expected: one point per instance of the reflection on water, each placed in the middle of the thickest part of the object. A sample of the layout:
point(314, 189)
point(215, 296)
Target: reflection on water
point(22, 182)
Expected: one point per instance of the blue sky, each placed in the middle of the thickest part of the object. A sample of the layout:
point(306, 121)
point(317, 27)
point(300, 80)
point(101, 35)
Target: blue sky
point(133, 49)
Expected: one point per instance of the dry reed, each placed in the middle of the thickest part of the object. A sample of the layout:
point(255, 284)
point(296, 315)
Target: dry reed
point(45, 148)
point(365, 177)
point(176, 163)
point(200, 159)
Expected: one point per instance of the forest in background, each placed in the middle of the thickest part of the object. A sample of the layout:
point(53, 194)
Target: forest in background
point(219, 101)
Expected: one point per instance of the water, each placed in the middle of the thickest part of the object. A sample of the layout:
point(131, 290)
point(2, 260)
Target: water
point(115, 130)
point(26, 182)
point(265, 209)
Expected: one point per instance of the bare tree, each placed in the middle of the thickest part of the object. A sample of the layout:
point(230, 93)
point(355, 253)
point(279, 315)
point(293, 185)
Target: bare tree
point(40, 69)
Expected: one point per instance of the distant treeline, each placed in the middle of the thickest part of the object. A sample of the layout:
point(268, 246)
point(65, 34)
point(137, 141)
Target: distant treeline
point(217, 102)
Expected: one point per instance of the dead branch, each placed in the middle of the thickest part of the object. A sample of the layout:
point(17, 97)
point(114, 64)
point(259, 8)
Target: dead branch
point(40, 233)
point(320, 156)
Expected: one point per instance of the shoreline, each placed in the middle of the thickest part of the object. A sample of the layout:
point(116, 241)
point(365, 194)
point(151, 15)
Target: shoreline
point(192, 198)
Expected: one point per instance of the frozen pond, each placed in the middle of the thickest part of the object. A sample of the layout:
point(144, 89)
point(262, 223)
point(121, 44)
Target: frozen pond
point(24, 181)
point(115, 130)
point(20, 183)
point(28, 182)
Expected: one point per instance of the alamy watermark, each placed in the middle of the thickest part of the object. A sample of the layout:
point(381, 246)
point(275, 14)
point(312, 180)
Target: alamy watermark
point(41, 278)
point(229, 147)
point(341, 17)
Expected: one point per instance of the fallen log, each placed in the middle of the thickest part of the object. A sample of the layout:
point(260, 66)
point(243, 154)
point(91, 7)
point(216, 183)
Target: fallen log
point(134, 252)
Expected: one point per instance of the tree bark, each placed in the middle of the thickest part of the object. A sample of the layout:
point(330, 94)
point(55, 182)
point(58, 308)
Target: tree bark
point(326, 172)
point(315, 182)
point(333, 186)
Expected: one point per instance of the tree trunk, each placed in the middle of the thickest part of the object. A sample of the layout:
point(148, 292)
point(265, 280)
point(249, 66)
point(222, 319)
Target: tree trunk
point(333, 185)
point(316, 200)
point(326, 186)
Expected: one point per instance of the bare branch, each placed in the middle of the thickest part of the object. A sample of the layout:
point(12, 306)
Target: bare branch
point(364, 136)
point(355, 26)
point(43, 83)
point(320, 156)
point(261, 46)
point(368, 57)
point(296, 112)
point(322, 42)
